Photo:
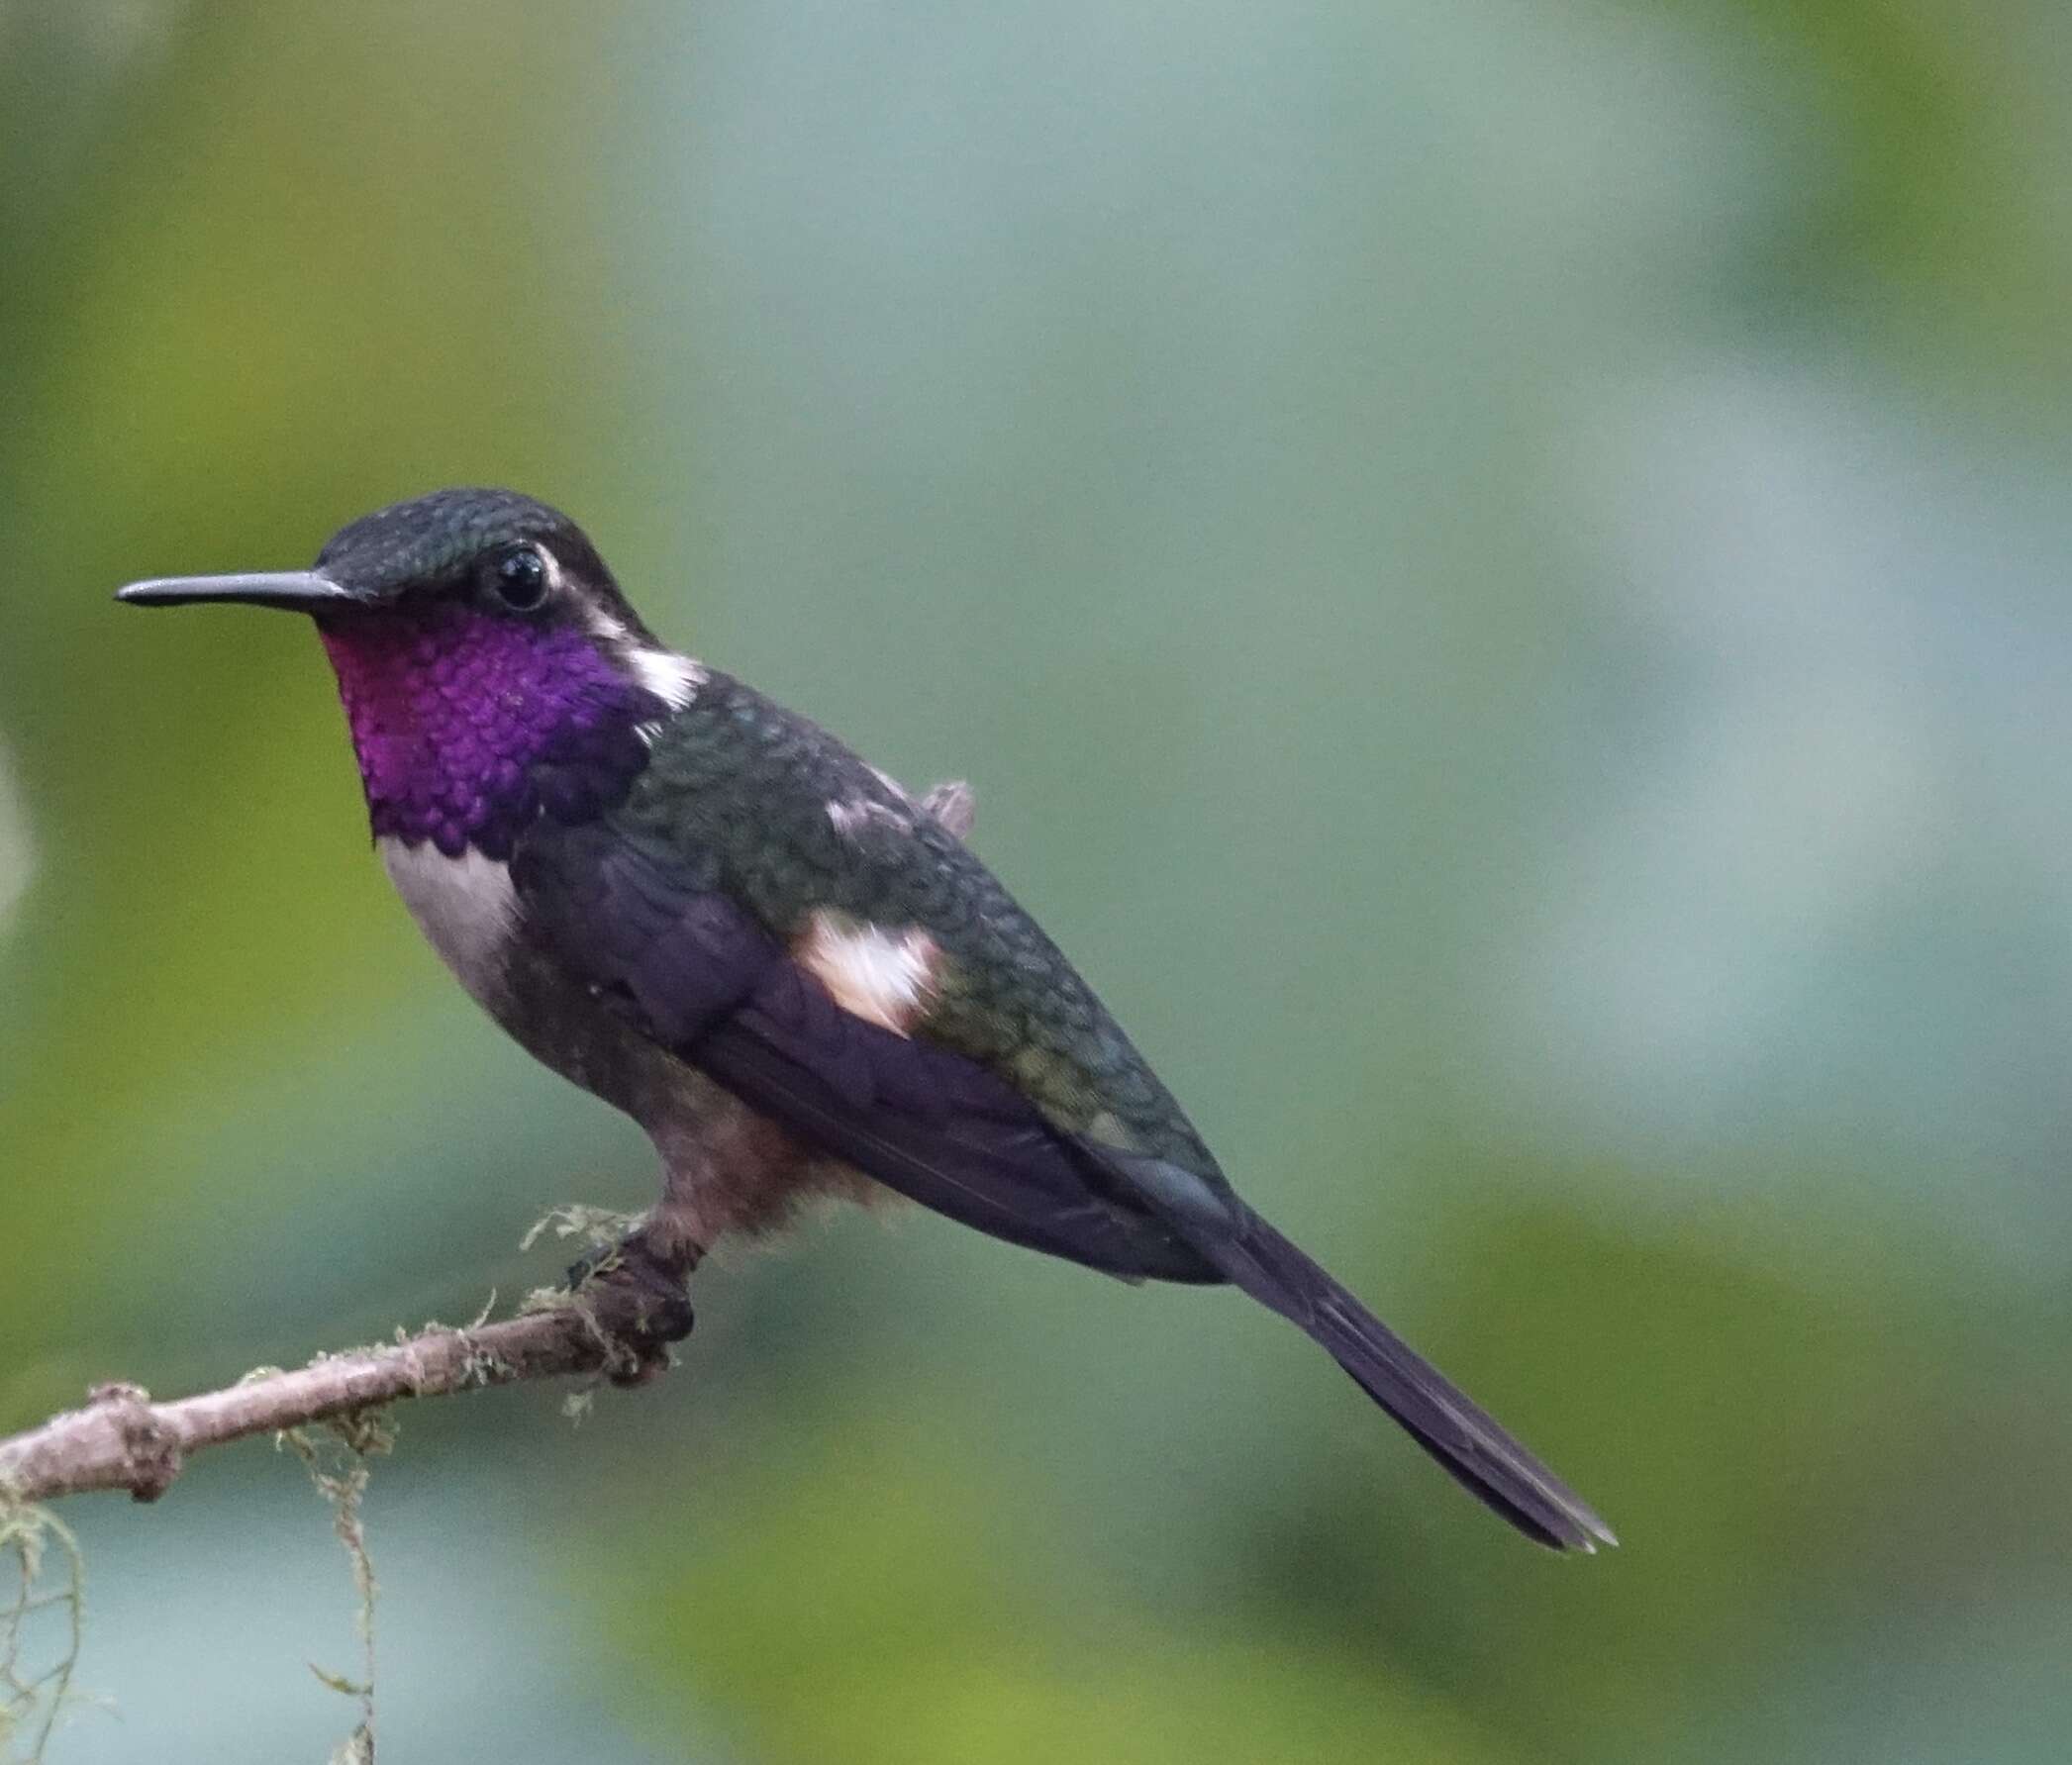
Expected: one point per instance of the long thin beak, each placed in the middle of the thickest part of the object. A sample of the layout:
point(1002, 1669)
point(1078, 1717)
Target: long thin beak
point(298, 591)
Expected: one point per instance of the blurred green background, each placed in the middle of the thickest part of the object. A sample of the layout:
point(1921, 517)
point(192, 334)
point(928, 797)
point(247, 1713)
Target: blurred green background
point(1498, 571)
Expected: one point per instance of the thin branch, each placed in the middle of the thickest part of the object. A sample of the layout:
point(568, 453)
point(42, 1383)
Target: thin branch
point(122, 1439)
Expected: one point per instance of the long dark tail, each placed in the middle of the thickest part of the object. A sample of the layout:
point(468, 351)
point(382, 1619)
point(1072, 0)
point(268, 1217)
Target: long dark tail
point(1479, 1454)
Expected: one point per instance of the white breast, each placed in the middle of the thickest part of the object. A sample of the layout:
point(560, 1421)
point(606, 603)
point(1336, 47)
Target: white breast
point(465, 906)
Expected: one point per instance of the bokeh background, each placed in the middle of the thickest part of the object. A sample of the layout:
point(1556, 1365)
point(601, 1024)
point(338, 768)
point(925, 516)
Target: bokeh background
point(1497, 569)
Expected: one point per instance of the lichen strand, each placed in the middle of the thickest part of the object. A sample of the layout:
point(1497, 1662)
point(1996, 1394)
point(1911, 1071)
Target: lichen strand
point(468, 725)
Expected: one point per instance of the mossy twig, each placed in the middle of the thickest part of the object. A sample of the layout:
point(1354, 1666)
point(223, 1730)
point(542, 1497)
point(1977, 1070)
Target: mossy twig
point(124, 1441)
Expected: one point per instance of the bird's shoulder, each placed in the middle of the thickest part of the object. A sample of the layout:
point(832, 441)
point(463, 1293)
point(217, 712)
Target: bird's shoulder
point(795, 823)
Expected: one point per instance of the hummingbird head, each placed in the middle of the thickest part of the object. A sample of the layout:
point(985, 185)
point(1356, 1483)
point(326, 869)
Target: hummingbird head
point(489, 666)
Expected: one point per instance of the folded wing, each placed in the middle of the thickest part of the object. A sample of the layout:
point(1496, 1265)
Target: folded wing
point(655, 934)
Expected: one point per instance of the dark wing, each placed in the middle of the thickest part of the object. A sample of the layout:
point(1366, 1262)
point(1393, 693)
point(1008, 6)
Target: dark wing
point(694, 971)
point(700, 975)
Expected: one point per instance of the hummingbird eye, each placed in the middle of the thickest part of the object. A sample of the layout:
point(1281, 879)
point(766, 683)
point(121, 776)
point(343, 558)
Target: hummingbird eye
point(518, 579)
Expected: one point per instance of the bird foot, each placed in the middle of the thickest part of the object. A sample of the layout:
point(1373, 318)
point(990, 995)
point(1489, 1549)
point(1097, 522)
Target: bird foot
point(653, 1307)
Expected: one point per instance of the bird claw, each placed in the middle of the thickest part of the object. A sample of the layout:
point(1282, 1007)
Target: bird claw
point(661, 1308)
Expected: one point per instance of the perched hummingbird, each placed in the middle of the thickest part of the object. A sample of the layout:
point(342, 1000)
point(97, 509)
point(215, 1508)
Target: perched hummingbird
point(710, 913)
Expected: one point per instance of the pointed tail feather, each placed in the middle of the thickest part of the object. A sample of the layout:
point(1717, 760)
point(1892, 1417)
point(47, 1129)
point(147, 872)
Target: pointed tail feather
point(1479, 1454)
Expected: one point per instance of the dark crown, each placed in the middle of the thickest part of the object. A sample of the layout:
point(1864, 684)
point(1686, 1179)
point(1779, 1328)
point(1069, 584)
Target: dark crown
point(431, 540)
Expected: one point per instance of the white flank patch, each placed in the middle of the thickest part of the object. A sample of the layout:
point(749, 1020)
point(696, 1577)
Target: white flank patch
point(465, 907)
point(884, 977)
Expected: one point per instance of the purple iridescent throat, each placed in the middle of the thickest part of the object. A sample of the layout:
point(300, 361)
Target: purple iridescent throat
point(467, 726)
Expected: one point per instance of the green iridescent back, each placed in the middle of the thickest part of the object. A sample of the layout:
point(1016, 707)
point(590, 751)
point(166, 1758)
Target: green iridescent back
point(748, 785)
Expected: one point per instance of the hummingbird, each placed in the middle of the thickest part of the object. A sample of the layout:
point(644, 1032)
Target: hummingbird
point(790, 971)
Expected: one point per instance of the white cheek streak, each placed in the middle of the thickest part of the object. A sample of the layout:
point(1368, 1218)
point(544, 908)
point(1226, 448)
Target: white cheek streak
point(674, 679)
point(465, 907)
point(671, 677)
point(884, 977)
